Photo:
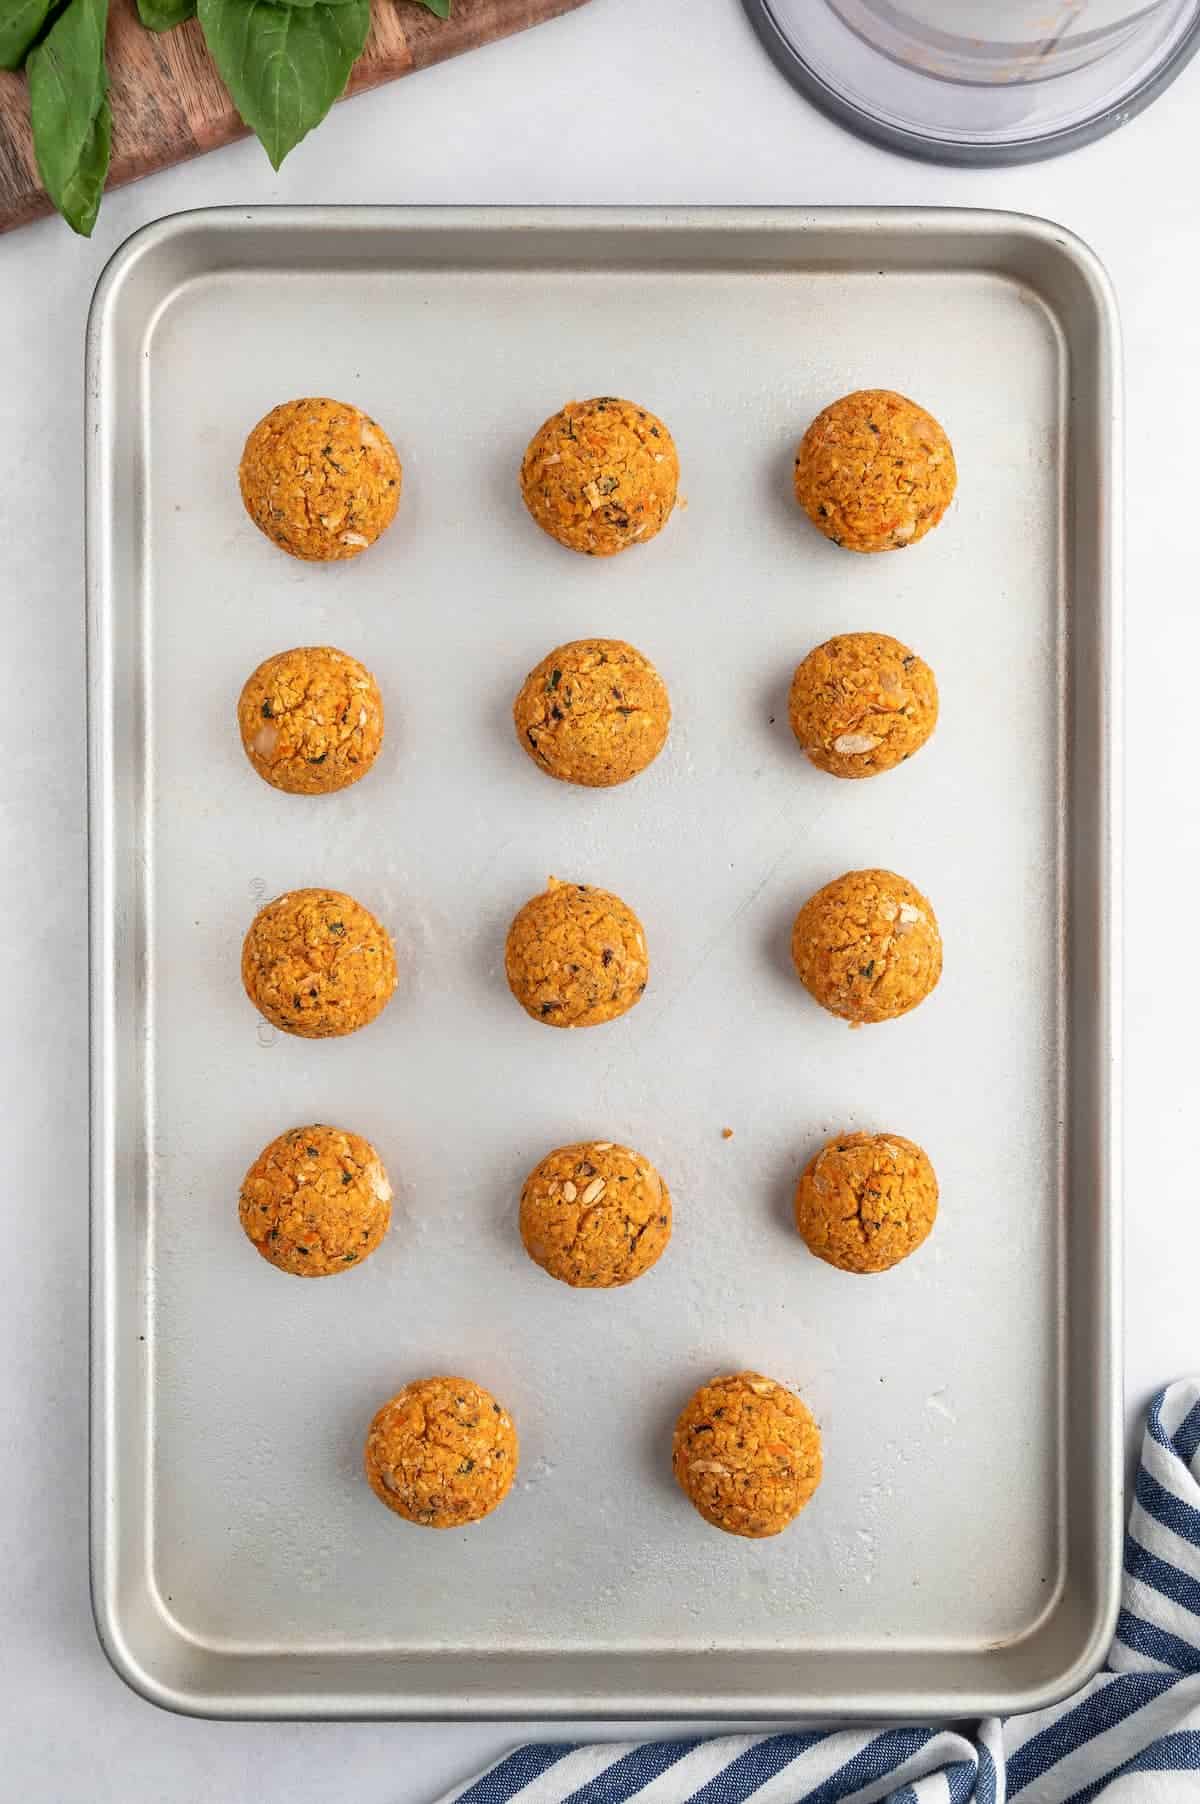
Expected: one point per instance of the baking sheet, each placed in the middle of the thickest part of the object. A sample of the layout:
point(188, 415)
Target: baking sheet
point(962, 1552)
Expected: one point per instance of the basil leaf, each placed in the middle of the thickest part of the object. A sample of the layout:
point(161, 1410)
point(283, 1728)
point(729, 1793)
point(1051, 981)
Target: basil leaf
point(20, 22)
point(309, 3)
point(79, 202)
point(165, 15)
point(440, 7)
point(283, 65)
point(68, 107)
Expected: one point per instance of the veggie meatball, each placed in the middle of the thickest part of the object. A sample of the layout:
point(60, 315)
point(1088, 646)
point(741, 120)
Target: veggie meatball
point(866, 1201)
point(595, 1215)
point(600, 476)
point(320, 479)
point(311, 720)
point(442, 1453)
point(317, 963)
point(594, 712)
point(576, 956)
point(867, 946)
point(747, 1454)
point(316, 1201)
point(862, 703)
point(874, 471)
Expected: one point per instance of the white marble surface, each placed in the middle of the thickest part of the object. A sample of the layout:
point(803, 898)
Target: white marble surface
point(630, 101)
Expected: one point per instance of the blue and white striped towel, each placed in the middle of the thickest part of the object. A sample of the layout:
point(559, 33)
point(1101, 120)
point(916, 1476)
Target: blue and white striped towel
point(1132, 1736)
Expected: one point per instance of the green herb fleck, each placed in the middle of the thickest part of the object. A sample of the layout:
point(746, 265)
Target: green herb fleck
point(555, 680)
point(266, 711)
point(303, 1250)
point(349, 1258)
point(867, 970)
point(338, 927)
point(319, 760)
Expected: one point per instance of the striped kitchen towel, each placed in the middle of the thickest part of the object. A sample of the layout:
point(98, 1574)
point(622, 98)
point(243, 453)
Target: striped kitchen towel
point(1132, 1736)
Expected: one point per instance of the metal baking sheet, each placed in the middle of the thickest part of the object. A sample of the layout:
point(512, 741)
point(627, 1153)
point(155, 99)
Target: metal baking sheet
point(963, 1551)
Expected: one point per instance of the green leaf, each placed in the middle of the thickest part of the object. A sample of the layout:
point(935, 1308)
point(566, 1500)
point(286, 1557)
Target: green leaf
point(306, 4)
point(20, 22)
point(80, 200)
point(440, 7)
point(165, 15)
point(283, 65)
point(68, 106)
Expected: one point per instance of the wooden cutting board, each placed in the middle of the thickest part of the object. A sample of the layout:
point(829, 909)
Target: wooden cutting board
point(168, 102)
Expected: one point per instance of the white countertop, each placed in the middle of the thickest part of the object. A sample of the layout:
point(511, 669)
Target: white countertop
point(631, 101)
